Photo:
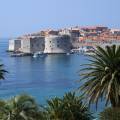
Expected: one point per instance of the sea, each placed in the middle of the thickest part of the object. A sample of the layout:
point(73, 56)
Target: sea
point(41, 77)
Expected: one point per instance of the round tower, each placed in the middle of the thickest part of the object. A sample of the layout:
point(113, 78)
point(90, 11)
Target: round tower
point(57, 44)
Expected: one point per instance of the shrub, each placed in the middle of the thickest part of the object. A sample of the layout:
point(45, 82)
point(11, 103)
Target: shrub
point(110, 114)
point(70, 107)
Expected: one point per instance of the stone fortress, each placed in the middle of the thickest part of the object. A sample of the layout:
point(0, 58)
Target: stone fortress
point(57, 44)
point(63, 40)
point(48, 44)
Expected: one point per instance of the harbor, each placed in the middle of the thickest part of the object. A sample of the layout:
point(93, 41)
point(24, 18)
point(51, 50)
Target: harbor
point(42, 77)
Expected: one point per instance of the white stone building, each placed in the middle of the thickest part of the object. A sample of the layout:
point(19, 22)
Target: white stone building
point(32, 44)
point(48, 44)
point(57, 44)
point(14, 45)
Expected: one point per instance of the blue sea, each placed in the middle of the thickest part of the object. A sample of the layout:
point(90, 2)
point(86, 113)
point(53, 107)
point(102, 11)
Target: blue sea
point(42, 77)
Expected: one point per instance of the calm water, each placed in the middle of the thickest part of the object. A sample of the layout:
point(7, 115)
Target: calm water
point(41, 77)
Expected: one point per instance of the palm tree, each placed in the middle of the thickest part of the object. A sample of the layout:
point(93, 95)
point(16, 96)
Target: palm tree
point(21, 107)
point(102, 76)
point(70, 107)
point(110, 114)
point(2, 109)
point(2, 72)
point(54, 109)
point(74, 108)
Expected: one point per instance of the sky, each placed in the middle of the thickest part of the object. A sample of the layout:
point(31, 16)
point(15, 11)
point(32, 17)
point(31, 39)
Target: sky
point(18, 17)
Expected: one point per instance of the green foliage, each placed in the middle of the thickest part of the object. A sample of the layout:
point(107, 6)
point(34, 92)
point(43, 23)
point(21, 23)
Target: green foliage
point(54, 109)
point(110, 114)
point(21, 107)
point(102, 76)
point(2, 72)
point(24, 107)
point(70, 107)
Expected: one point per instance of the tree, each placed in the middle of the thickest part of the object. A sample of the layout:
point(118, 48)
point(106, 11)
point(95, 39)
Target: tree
point(54, 109)
point(2, 109)
point(70, 107)
point(22, 107)
point(102, 76)
point(74, 108)
point(2, 72)
point(110, 114)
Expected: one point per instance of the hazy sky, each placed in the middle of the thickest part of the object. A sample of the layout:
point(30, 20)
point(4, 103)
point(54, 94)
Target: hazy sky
point(18, 17)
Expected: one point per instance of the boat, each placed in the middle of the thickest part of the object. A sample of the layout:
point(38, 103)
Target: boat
point(74, 51)
point(18, 54)
point(67, 53)
point(82, 49)
point(35, 55)
point(39, 54)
